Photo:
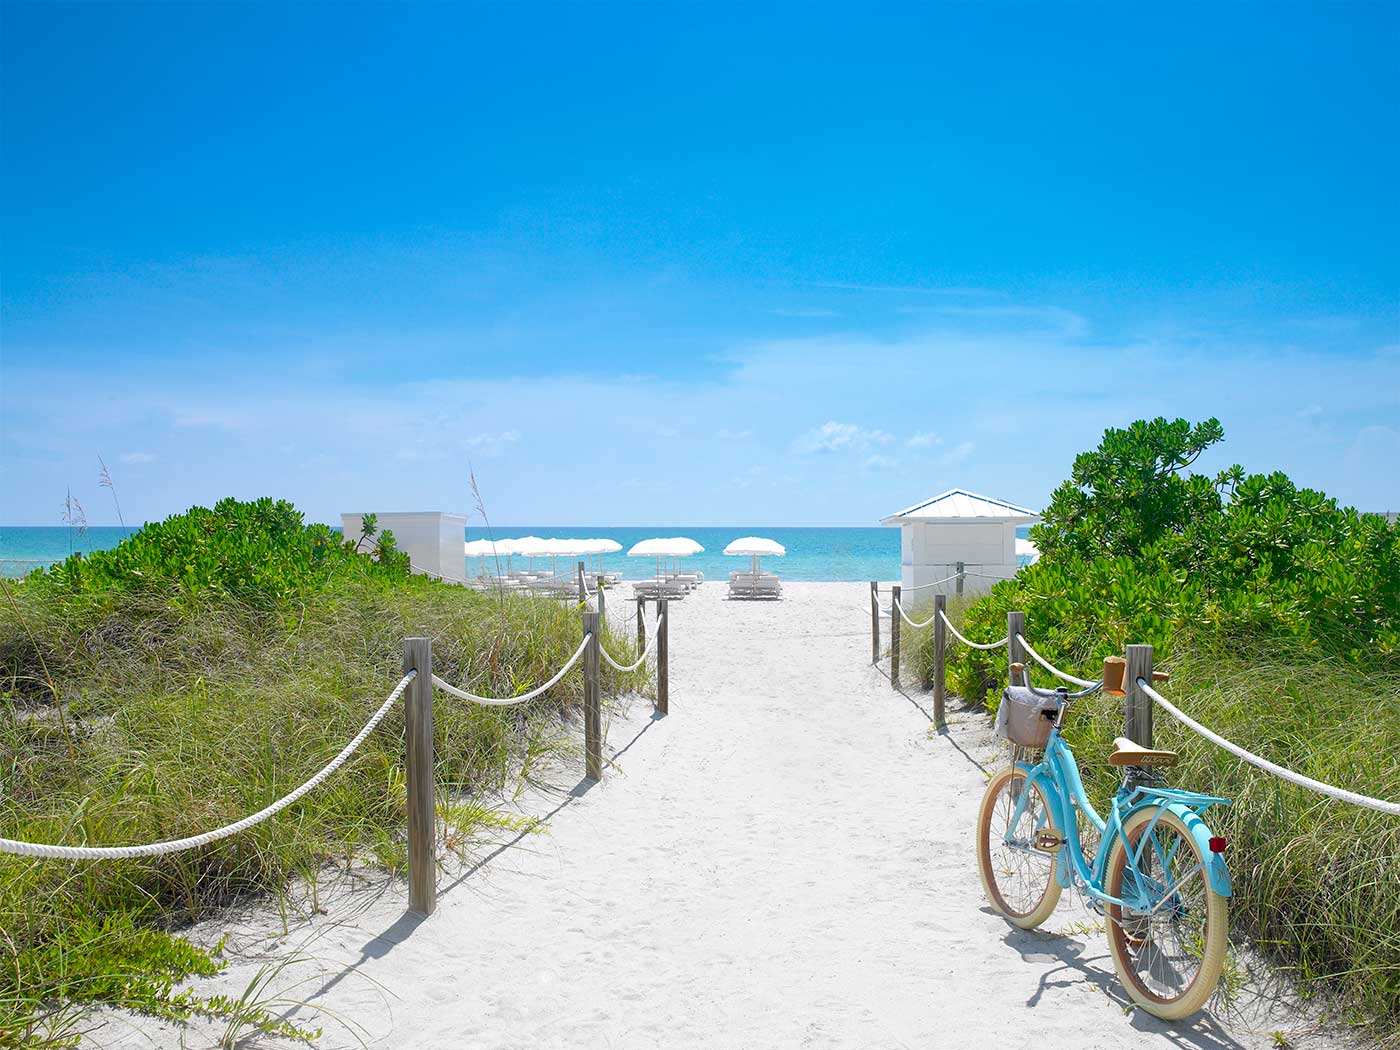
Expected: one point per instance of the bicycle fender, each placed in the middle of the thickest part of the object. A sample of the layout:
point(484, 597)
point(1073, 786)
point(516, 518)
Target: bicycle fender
point(1216, 872)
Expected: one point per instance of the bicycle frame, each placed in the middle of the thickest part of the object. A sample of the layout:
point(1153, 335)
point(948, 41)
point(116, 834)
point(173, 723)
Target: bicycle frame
point(1057, 774)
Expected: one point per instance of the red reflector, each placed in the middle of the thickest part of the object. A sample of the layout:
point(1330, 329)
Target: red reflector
point(1217, 844)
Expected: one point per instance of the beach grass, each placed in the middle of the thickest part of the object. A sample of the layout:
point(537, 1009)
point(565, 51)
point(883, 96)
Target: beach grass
point(140, 714)
point(1316, 881)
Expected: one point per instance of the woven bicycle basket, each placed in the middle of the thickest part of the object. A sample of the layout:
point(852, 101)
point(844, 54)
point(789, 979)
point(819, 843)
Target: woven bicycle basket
point(1021, 717)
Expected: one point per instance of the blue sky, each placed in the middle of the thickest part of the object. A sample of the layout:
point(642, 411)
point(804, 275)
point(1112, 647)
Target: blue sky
point(687, 264)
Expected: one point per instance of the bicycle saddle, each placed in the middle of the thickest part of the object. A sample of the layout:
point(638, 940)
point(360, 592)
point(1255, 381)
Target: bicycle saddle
point(1127, 753)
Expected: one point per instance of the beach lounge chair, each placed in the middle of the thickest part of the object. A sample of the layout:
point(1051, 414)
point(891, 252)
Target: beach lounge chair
point(750, 585)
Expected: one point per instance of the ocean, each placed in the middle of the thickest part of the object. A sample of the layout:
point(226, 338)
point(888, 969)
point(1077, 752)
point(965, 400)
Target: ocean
point(812, 553)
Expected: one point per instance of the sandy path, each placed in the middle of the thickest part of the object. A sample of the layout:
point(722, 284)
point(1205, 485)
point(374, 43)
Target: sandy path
point(785, 861)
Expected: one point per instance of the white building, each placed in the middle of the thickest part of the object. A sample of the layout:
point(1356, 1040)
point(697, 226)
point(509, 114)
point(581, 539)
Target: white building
point(435, 541)
point(959, 526)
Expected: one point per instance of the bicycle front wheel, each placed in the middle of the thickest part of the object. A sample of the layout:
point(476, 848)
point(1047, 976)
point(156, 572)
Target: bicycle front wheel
point(1019, 880)
point(1169, 957)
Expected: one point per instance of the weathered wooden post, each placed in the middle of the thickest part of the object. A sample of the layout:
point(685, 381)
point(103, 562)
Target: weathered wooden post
point(940, 642)
point(1015, 652)
point(663, 656)
point(418, 762)
point(598, 582)
point(1137, 705)
point(874, 622)
point(641, 622)
point(582, 589)
point(960, 578)
point(894, 636)
point(592, 703)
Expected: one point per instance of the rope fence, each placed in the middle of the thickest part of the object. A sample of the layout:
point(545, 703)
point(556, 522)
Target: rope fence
point(968, 642)
point(1026, 647)
point(416, 689)
point(1133, 672)
point(1283, 773)
point(158, 849)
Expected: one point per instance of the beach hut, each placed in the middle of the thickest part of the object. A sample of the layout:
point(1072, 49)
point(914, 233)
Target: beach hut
point(431, 539)
point(956, 526)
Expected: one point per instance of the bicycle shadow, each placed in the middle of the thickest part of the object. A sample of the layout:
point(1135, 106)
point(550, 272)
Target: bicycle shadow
point(1202, 1030)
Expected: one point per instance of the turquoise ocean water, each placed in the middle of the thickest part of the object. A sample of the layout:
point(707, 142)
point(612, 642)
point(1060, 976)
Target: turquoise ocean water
point(812, 553)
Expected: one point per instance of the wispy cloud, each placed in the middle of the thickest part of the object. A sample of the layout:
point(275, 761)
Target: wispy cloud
point(1055, 318)
point(911, 289)
point(493, 444)
point(810, 405)
point(832, 436)
point(138, 457)
point(958, 454)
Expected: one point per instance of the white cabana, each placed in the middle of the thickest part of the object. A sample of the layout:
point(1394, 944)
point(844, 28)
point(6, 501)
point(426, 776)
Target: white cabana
point(957, 530)
point(1027, 553)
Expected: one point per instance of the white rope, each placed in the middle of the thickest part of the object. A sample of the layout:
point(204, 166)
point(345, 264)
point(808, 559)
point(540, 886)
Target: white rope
point(1270, 767)
point(935, 583)
point(956, 634)
point(1051, 667)
point(156, 849)
point(905, 616)
point(510, 701)
point(655, 634)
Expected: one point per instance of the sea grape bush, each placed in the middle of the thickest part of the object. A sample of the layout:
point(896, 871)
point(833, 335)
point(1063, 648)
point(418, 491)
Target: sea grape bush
point(254, 552)
point(1133, 548)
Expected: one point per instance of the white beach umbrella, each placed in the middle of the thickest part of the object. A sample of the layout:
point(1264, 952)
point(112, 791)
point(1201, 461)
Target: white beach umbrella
point(665, 547)
point(755, 547)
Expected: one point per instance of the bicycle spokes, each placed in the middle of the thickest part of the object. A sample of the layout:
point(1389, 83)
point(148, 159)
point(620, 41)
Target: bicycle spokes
point(1164, 931)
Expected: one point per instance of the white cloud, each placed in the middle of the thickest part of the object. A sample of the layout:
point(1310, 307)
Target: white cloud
point(832, 436)
point(879, 462)
point(493, 444)
point(138, 457)
point(958, 454)
point(923, 439)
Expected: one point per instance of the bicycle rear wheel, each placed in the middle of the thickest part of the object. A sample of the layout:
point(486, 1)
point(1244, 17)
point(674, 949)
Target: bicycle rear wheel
point(1169, 958)
point(1018, 879)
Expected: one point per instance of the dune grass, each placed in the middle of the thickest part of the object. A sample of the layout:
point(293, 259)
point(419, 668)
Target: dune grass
point(1317, 882)
point(148, 713)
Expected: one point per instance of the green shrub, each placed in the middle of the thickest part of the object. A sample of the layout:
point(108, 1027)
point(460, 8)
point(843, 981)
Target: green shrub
point(1275, 609)
point(180, 684)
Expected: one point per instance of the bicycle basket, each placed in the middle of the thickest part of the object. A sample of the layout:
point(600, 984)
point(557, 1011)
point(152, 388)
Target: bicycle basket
point(1021, 717)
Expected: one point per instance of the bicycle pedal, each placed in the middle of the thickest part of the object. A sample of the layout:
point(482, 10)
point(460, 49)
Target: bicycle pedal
point(1049, 841)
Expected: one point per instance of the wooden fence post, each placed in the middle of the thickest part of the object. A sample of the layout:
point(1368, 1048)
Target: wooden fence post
point(592, 704)
point(1137, 705)
point(874, 622)
point(1015, 654)
point(582, 590)
point(940, 642)
point(418, 762)
point(663, 656)
point(598, 583)
point(641, 622)
point(960, 578)
point(894, 635)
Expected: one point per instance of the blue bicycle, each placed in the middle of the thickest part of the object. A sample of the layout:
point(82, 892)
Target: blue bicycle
point(1158, 875)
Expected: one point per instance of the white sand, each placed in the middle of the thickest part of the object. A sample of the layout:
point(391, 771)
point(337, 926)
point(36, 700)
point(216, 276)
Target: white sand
point(785, 861)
